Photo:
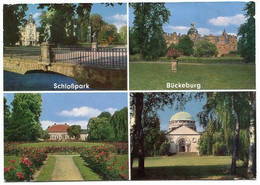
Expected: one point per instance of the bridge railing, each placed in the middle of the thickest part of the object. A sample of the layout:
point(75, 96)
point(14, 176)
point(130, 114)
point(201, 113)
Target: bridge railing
point(115, 58)
point(33, 53)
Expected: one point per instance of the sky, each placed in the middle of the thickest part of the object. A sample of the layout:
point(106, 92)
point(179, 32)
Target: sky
point(114, 15)
point(193, 107)
point(209, 17)
point(76, 108)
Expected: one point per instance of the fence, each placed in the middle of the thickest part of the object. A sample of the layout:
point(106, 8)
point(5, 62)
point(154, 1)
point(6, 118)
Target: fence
point(115, 58)
point(23, 52)
point(100, 57)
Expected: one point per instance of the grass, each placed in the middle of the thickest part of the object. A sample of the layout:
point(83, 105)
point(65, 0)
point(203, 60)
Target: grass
point(191, 167)
point(154, 75)
point(16, 164)
point(85, 171)
point(120, 160)
point(45, 144)
point(46, 172)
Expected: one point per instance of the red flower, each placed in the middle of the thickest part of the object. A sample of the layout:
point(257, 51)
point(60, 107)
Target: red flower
point(110, 168)
point(6, 169)
point(12, 161)
point(122, 167)
point(11, 168)
point(123, 176)
point(20, 175)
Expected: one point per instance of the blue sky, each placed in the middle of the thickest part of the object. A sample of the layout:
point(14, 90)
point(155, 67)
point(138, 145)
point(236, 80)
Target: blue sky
point(114, 15)
point(209, 17)
point(193, 107)
point(76, 108)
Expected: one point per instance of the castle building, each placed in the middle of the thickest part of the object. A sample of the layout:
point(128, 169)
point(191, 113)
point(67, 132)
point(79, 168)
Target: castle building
point(182, 133)
point(225, 43)
point(29, 34)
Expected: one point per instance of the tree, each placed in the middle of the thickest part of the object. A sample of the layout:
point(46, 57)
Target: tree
point(108, 34)
point(147, 29)
point(105, 115)
point(185, 45)
point(7, 121)
point(83, 12)
point(96, 22)
point(205, 48)
point(45, 135)
point(26, 112)
point(133, 46)
point(233, 112)
point(14, 18)
point(119, 123)
point(123, 35)
point(74, 131)
point(246, 31)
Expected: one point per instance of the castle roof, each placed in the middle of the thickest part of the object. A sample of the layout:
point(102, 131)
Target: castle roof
point(58, 128)
point(182, 116)
point(192, 30)
point(31, 20)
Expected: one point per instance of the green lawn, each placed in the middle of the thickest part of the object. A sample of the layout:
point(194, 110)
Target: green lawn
point(45, 144)
point(191, 167)
point(46, 172)
point(85, 171)
point(16, 164)
point(155, 75)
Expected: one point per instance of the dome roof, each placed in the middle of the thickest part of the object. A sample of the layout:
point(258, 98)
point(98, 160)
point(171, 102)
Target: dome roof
point(182, 116)
point(192, 30)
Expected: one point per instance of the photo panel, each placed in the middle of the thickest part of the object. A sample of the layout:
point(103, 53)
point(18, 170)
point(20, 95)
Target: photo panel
point(193, 135)
point(76, 46)
point(47, 139)
point(192, 45)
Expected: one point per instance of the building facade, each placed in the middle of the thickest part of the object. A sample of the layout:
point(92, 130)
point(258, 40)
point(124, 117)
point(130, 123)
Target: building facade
point(29, 34)
point(225, 43)
point(182, 133)
point(59, 133)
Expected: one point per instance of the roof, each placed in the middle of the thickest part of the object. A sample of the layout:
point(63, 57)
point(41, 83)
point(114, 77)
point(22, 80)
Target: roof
point(182, 116)
point(183, 130)
point(192, 30)
point(58, 128)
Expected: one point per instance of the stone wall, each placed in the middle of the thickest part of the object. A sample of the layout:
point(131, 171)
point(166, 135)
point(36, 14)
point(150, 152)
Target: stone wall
point(97, 78)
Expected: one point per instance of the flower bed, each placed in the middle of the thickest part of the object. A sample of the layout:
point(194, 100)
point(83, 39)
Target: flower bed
point(102, 161)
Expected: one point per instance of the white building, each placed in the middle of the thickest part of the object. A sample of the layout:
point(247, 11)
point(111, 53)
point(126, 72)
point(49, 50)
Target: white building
point(29, 34)
point(182, 133)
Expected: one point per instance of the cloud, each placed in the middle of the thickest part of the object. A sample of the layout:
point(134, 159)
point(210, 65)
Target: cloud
point(204, 31)
point(111, 110)
point(36, 15)
point(178, 29)
point(119, 20)
point(226, 21)
point(82, 123)
point(81, 112)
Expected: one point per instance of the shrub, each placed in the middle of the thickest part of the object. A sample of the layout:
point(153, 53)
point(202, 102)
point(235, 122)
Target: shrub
point(164, 148)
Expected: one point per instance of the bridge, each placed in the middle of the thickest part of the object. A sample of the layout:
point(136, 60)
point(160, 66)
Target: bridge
point(100, 68)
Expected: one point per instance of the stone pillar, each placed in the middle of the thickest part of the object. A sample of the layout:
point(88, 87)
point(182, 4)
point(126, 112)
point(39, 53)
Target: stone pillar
point(94, 45)
point(46, 53)
point(174, 65)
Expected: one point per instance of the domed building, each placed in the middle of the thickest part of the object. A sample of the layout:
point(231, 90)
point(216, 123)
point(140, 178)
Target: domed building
point(182, 133)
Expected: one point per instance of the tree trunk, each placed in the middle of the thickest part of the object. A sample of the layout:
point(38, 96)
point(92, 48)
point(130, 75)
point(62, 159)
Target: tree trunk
point(236, 139)
point(251, 170)
point(141, 55)
point(140, 133)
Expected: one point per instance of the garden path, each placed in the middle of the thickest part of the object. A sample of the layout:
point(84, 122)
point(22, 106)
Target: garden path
point(65, 169)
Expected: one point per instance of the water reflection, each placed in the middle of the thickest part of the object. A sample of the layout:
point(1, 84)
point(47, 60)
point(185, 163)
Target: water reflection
point(34, 81)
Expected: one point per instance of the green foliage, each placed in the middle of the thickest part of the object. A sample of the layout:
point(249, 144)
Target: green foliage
point(74, 131)
point(14, 18)
point(83, 11)
point(45, 135)
point(25, 118)
point(147, 29)
point(205, 48)
point(105, 115)
point(123, 35)
point(246, 31)
point(7, 121)
point(96, 23)
point(164, 149)
point(133, 45)
point(108, 34)
point(119, 123)
point(185, 45)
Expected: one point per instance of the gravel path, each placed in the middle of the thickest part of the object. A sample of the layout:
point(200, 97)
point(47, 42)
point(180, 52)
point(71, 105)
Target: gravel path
point(65, 169)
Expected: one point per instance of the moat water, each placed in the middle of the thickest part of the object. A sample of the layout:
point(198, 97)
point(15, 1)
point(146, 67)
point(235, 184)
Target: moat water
point(37, 81)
